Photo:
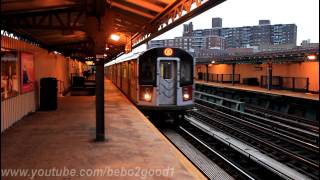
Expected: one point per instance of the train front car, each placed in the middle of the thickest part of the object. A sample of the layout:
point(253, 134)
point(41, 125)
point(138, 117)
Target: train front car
point(166, 80)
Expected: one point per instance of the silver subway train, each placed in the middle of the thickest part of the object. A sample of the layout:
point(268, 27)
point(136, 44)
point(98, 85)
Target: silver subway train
point(159, 79)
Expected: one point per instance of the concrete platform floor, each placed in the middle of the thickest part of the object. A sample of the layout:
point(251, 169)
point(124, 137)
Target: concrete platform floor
point(60, 144)
point(264, 90)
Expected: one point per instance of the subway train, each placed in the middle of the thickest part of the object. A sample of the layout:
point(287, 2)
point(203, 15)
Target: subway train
point(156, 80)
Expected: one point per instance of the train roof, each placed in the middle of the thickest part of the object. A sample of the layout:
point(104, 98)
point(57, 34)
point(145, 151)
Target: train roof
point(135, 55)
point(125, 57)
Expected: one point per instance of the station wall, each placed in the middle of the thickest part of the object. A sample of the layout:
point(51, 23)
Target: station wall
point(302, 69)
point(46, 64)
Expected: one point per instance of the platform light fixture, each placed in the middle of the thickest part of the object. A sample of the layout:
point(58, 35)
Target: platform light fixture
point(312, 57)
point(115, 37)
point(89, 63)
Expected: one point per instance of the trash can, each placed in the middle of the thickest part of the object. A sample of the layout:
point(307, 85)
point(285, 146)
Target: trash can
point(48, 93)
point(200, 74)
point(78, 81)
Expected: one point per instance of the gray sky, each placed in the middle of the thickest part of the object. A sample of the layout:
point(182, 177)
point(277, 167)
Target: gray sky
point(235, 13)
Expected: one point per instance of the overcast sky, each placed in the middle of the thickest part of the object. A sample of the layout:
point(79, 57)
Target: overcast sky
point(235, 13)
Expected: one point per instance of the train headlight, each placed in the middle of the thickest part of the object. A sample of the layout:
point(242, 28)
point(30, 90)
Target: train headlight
point(146, 93)
point(187, 93)
point(147, 96)
point(186, 96)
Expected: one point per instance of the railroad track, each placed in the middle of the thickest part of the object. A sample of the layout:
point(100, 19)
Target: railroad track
point(236, 163)
point(270, 141)
point(298, 122)
point(299, 136)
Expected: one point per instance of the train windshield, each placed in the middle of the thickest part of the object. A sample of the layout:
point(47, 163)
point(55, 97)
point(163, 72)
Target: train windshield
point(186, 73)
point(147, 72)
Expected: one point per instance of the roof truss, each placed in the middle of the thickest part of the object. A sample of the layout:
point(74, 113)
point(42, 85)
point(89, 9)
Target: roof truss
point(64, 21)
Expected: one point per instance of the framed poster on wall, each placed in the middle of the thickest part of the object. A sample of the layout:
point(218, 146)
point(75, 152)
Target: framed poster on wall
point(9, 73)
point(27, 72)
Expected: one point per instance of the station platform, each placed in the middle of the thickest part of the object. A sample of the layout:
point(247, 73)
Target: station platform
point(64, 140)
point(303, 95)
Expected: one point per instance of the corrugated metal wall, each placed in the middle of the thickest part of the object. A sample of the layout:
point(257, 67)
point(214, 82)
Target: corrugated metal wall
point(47, 64)
point(15, 108)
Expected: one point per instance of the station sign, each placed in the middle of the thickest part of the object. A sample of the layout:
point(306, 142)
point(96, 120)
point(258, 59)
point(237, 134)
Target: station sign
point(128, 47)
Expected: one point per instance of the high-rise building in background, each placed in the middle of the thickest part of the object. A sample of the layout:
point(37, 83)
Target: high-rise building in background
point(187, 29)
point(264, 22)
point(207, 42)
point(216, 22)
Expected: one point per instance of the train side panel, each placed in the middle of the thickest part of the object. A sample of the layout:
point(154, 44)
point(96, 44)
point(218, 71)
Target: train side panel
point(124, 78)
point(132, 71)
point(113, 74)
point(118, 82)
point(124, 75)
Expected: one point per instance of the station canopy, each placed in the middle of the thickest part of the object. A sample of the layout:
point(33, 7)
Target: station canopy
point(82, 28)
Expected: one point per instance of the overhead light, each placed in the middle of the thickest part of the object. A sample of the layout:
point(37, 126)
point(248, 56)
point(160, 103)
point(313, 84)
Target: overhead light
point(89, 63)
point(105, 55)
point(107, 48)
point(212, 62)
point(115, 37)
point(312, 57)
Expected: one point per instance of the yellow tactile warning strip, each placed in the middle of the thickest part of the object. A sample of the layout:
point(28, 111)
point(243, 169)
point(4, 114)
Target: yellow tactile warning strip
point(186, 163)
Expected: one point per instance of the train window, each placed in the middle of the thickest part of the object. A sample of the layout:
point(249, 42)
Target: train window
point(186, 73)
point(147, 69)
point(166, 71)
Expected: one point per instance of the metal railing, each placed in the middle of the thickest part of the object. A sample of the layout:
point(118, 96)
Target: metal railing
point(222, 78)
point(287, 83)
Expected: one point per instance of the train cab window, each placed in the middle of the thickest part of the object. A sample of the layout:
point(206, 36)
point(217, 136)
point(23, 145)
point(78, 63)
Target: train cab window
point(166, 71)
point(147, 69)
point(186, 73)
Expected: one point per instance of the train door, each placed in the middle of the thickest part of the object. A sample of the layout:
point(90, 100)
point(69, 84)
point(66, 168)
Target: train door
point(133, 81)
point(167, 81)
point(129, 79)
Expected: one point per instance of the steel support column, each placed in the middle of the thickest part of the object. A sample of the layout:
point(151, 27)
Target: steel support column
point(207, 72)
point(269, 81)
point(100, 129)
point(233, 71)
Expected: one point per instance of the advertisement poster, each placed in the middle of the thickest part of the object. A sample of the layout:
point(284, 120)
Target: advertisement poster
point(27, 72)
point(9, 74)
